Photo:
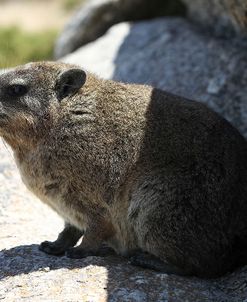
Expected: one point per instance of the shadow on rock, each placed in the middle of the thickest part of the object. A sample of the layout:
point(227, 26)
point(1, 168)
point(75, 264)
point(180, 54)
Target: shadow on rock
point(124, 282)
point(25, 259)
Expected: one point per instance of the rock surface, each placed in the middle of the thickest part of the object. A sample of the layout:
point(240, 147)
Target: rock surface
point(172, 54)
point(224, 17)
point(26, 274)
point(94, 17)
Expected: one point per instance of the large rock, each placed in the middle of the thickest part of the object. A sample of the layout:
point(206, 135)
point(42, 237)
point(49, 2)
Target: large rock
point(172, 54)
point(94, 17)
point(224, 17)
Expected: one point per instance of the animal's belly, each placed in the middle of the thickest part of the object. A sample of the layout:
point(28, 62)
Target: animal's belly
point(124, 240)
point(68, 213)
point(52, 193)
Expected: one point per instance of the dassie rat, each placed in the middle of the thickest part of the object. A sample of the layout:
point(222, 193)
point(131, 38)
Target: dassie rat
point(157, 177)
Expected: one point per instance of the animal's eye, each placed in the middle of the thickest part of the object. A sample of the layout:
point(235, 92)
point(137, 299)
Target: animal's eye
point(17, 90)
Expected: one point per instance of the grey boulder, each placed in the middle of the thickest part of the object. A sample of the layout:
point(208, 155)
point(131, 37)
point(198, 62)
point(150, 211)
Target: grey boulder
point(224, 17)
point(94, 17)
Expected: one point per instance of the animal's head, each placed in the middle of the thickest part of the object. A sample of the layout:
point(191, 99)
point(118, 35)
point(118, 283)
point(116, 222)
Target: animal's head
point(30, 98)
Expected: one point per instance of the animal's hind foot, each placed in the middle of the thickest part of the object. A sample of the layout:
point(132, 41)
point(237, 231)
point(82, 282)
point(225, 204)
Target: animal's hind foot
point(146, 260)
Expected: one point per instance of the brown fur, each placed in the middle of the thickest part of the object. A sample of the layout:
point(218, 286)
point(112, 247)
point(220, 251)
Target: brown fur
point(130, 165)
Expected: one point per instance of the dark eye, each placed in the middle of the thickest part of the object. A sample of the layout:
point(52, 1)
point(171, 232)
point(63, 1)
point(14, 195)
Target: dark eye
point(17, 90)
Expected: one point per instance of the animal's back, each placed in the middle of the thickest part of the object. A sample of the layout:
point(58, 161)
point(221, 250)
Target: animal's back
point(190, 201)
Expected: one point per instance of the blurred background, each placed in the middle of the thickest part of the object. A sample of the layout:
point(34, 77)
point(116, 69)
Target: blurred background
point(29, 28)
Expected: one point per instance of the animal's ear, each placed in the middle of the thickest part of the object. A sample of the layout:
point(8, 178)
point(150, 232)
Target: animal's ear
point(69, 82)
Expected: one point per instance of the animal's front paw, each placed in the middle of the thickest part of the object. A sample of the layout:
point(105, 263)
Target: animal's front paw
point(51, 248)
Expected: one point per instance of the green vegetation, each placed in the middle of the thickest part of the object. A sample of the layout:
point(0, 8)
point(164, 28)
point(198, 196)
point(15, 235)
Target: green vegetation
point(19, 47)
point(71, 4)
